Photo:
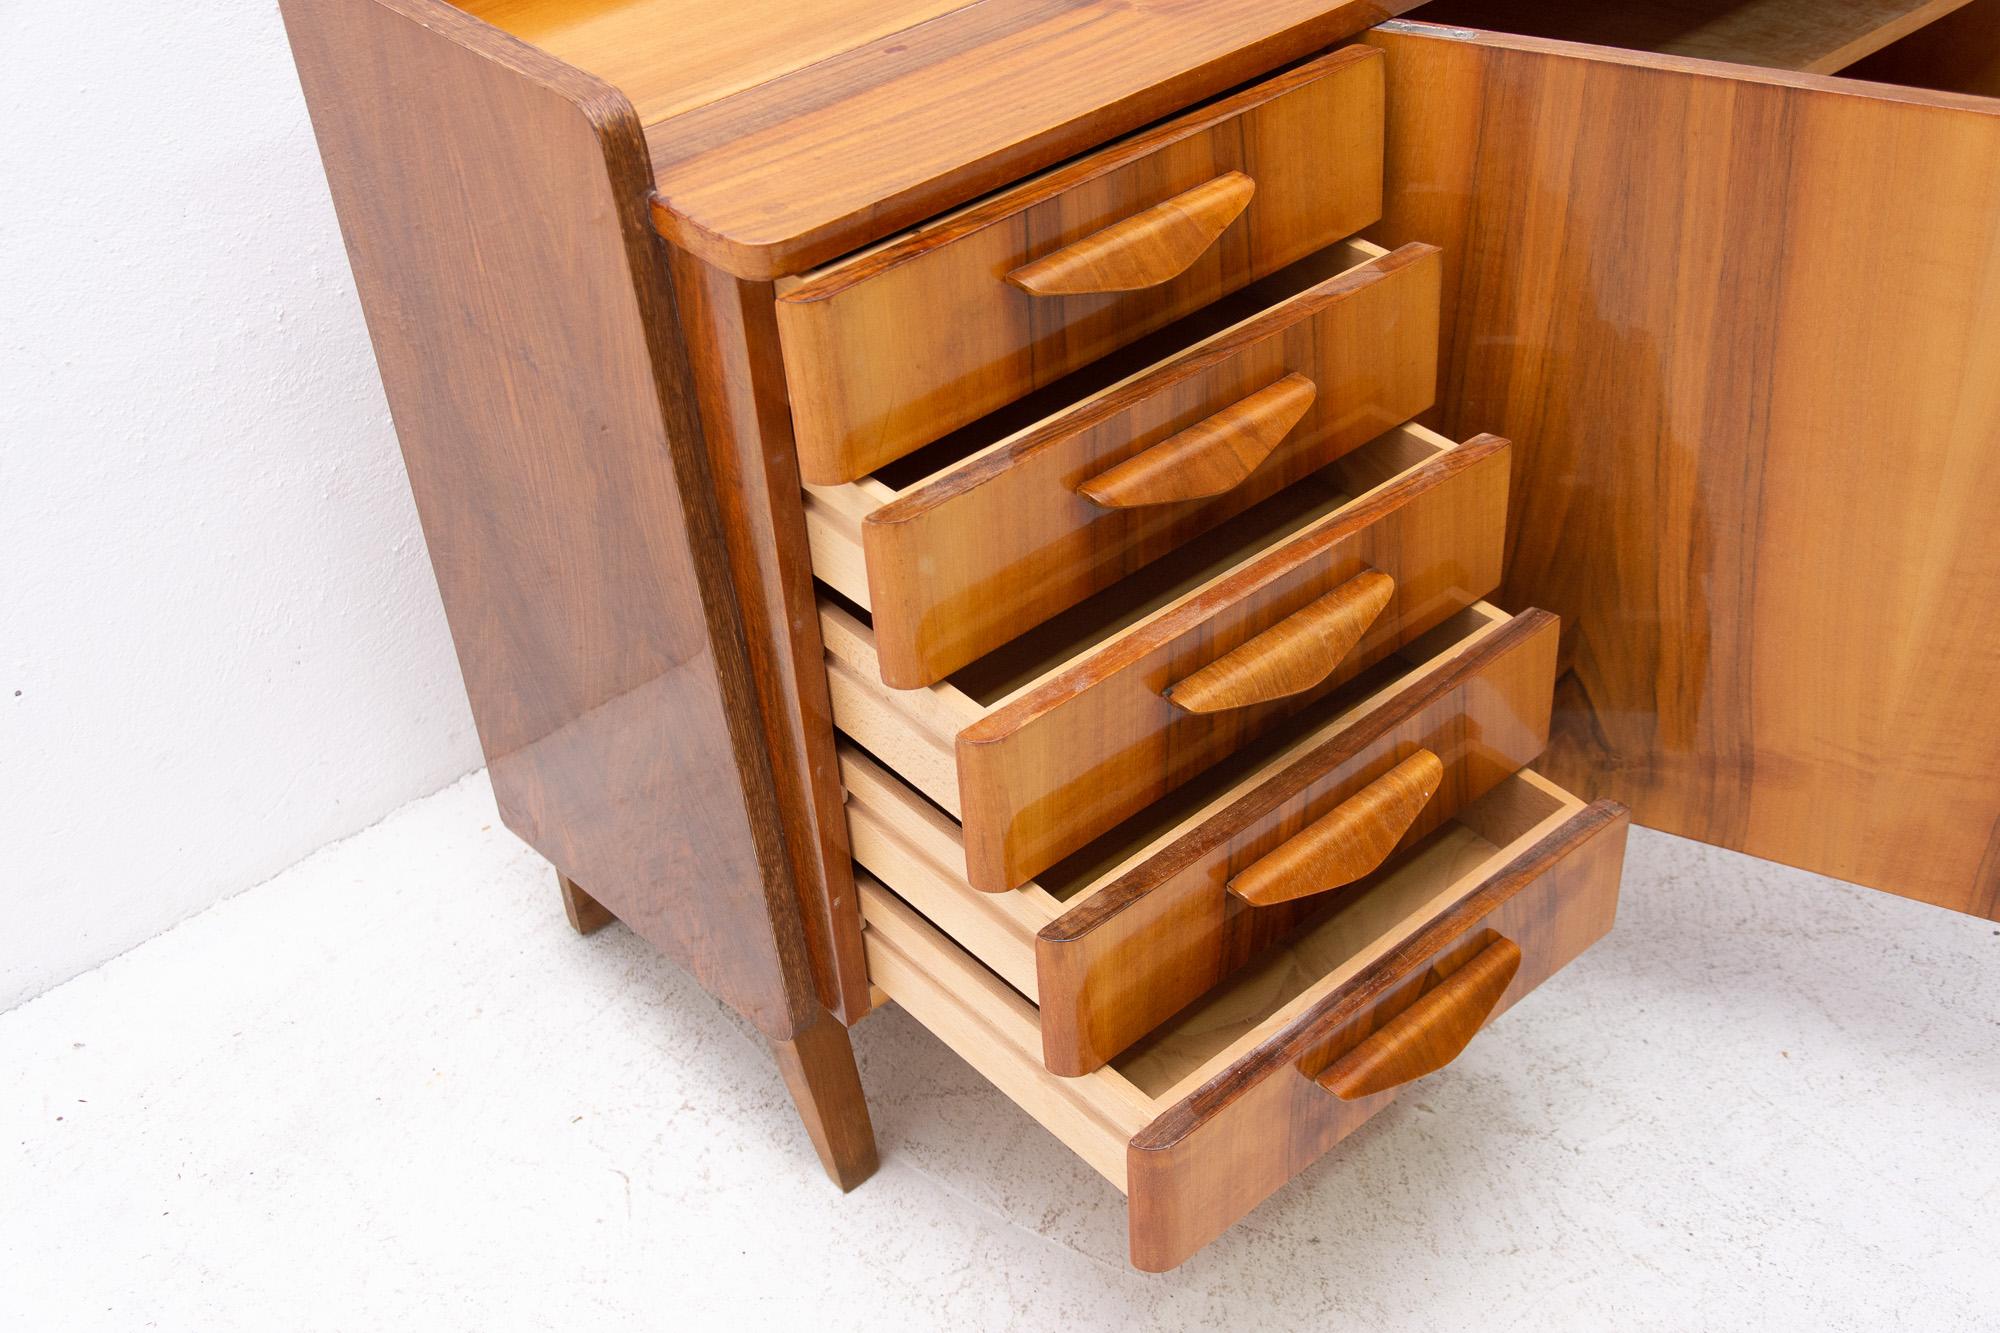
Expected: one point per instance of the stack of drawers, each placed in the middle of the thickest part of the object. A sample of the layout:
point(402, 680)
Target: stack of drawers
point(1184, 760)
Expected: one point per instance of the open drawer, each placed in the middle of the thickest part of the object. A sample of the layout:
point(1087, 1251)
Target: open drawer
point(1247, 1087)
point(892, 347)
point(959, 547)
point(1076, 726)
point(1117, 938)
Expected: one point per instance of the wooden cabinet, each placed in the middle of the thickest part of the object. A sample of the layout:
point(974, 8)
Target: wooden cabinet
point(1113, 941)
point(1163, 539)
point(1225, 1103)
point(1744, 327)
point(1048, 276)
point(1007, 523)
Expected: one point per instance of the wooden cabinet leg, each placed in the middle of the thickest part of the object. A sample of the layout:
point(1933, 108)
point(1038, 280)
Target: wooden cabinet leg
point(586, 915)
point(819, 1069)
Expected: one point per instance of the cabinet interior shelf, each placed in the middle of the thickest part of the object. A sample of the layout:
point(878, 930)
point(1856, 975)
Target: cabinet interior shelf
point(1810, 36)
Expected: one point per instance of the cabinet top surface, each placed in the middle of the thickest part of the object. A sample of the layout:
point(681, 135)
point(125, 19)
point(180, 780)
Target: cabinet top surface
point(783, 134)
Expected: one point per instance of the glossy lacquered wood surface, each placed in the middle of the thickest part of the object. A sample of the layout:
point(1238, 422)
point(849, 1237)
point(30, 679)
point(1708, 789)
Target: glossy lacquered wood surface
point(739, 387)
point(1046, 771)
point(1215, 455)
point(870, 378)
point(1432, 1032)
point(1038, 760)
point(1744, 325)
point(1347, 842)
point(910, 844)
point(672, 56)
point(1224, 1105)
point(1291, 657)
point(1152, 246)
point(547, 418)
point(955, 565)
point(1812, 36)
point(1163, 931)
point(861, 123)
point(1247, 1130)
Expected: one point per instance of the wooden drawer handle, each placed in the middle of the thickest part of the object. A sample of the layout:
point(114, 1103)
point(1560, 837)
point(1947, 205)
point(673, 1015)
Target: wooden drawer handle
point(1144, 250)
point(1214, 455)
point(1293, 655)
point(1351, 840)
point(1431, 1033)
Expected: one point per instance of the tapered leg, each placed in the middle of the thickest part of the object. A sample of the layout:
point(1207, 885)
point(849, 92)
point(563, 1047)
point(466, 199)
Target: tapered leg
point(819, 1069)
point(586, 915)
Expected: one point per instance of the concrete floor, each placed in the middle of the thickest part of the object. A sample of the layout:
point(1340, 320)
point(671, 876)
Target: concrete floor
point(389, 1089)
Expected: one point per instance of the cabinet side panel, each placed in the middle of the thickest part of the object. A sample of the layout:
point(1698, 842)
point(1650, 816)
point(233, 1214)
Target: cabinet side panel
point(732, 340)
point(1742, 326)
point(493, 202)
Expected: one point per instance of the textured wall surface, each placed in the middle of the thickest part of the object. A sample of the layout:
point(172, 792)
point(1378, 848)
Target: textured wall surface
point(220, 646)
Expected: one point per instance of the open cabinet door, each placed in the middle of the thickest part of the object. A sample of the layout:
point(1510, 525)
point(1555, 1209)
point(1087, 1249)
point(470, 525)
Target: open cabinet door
point(1744, 328)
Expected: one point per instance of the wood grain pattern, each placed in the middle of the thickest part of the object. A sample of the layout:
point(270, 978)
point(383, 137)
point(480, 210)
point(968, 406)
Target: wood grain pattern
point(1152, 246)
point(1067, 733)
point(1249, 1128)
point(1293, 655)
point(739, 387)
point(919, 851)
point(1310, 138)
point(1195, 1045)
point(672, 56)
point(1129, 955)
point(957, 565)
point(1043, 773)
point(1213, 1130)
point(1760, 401)
point(1349, 841)
point(903, 726)
point(821, 160)
point(543, 400)
point(1214, 455)
point(1431, 1033)
point(1812, 36)
point(818, 1069)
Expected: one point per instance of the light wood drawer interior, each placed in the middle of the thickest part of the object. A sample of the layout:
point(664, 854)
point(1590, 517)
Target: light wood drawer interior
point(1122, 934)
point(889, 349)
point(1067, 731)
point(1810, 36)
point(917, 848)
point(1220, 1106)
point(979, 537)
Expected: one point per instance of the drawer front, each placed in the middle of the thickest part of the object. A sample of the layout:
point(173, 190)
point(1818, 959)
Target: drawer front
point(919, 851)
point(959, 565)
point(1269, 1114)
point(1074, 755)
point(1155, 939)
point(893, 348)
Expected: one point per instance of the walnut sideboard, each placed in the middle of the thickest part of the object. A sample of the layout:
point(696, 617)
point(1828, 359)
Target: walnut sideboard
point(1077, 517)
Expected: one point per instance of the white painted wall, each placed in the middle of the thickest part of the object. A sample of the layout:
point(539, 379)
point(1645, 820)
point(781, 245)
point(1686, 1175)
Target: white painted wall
point(220, 646)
